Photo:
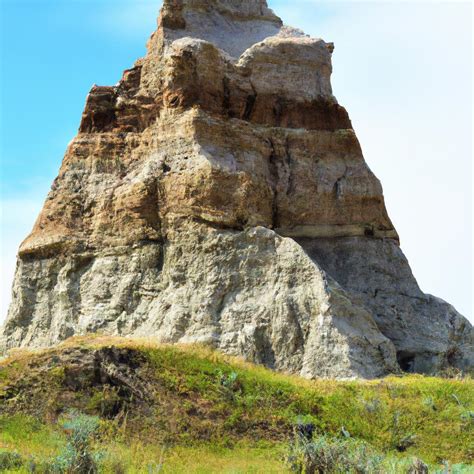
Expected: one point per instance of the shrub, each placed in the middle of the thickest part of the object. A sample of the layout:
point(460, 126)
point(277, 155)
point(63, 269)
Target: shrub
point(326, 455)
point(229, 384)
point(400, 440)
point(9, 460)
point(228, 381)
point(78, 456)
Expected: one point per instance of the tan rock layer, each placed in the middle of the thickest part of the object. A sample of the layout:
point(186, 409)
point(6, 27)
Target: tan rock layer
point(116, 189)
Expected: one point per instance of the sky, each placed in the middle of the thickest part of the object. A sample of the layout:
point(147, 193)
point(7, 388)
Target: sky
point(402, 69)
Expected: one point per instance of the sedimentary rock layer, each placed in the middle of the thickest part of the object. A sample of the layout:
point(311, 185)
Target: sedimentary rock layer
point(218, 194)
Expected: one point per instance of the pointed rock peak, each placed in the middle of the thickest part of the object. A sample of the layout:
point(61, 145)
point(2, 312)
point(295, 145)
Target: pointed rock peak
point(235, 9)
point(231, 25)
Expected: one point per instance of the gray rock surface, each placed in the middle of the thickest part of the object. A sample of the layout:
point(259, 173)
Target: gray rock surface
point(429, 334)
point(219, 195)
point(250, 293)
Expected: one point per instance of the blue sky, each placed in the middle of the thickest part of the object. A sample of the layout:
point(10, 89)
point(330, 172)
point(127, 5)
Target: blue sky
point(402, 69)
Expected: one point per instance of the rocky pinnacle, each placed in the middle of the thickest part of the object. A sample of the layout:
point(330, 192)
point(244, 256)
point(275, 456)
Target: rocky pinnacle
point(218, 194)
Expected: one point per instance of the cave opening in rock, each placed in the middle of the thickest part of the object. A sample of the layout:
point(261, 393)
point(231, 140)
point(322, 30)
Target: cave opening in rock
point(406, 360)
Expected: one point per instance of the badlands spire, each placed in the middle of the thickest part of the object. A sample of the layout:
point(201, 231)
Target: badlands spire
point(218, 194)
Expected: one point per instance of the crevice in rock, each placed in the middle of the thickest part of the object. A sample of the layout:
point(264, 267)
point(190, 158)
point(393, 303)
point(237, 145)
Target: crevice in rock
point(273, 166)
point(99, 114)
point(250, 104)
point(290, 184)
point(174, 102)
point(369, 231)
point(453, 354)
point(266, 354)
point(299, 335)
point(81, 264)
point(406, 360)
point(226, 104)
point(337, 189)
point(172, 15)
point(218, 225)
point(278, 111)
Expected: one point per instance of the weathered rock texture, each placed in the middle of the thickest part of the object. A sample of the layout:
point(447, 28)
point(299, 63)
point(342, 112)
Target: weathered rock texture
point(218, 194)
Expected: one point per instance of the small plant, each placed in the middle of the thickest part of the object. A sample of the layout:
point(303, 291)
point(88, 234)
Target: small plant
point(467, 418)
point(57, 374)
point(9, 460)
point(372, 406)
point(229, 383)
point(78, 456)
point(418, 467)
point(154, 468)
point(457, 400)
point(452, 373)
point(228, 380)
point(429, 403)
point(400, 440)
point(326, 455)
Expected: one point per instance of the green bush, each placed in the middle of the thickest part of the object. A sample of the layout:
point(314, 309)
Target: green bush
point(400, 439)
point(326, 455)
point(78, 457)
point(9, 460)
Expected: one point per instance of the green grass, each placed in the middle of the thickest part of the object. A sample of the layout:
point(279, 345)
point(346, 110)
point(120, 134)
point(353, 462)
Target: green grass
point(29, 436)
point(203, 459)
point(37, 443)
point(204, 412)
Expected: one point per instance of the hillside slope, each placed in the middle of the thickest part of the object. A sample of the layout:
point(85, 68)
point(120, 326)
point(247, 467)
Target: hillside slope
point(199, 411)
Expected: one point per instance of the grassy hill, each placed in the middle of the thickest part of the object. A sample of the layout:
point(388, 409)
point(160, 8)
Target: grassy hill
point(159, 408)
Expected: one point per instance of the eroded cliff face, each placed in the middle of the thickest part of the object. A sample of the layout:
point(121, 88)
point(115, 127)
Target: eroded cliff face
point(218, 194)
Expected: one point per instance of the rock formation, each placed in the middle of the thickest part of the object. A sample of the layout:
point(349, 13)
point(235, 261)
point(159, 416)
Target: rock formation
point(218, 194)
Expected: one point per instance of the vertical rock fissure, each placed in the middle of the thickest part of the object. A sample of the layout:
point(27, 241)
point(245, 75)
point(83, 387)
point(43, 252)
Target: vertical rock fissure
point(250, 104)
point(337, 185)
point(289, 187)
point(275, 177)
point(226, 98)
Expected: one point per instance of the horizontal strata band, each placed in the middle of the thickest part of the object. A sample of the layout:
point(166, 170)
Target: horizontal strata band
point(325, 230)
